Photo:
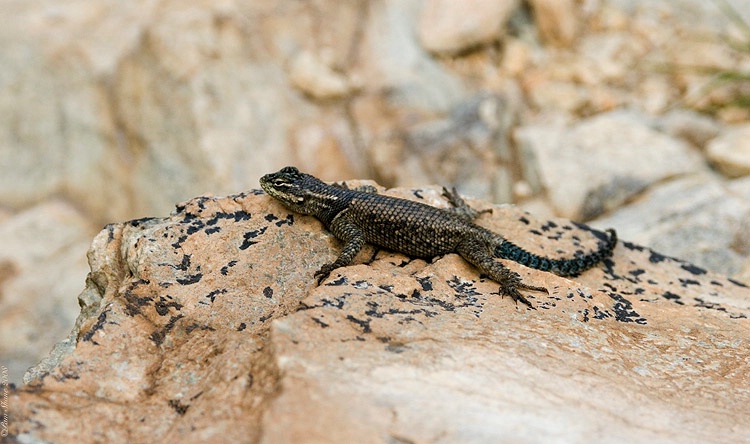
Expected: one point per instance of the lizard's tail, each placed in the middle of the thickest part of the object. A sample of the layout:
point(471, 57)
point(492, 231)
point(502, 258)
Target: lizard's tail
point(561, 267)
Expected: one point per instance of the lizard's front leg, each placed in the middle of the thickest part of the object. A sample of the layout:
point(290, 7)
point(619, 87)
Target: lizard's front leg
point(354, 240)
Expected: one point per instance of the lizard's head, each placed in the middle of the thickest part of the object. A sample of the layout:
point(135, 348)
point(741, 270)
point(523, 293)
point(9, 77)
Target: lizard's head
point(298, 191)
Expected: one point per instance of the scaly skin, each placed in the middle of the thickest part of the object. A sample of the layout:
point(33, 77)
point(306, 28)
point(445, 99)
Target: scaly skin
point(361, 216)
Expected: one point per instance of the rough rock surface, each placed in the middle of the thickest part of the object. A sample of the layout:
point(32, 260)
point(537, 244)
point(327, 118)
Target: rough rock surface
point(596, 165)
point(699, 218)
point(731, 152)
point(207, 326)
point(446, 26)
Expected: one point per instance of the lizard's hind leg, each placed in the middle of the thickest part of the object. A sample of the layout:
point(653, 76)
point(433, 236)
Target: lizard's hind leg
point(477, 253)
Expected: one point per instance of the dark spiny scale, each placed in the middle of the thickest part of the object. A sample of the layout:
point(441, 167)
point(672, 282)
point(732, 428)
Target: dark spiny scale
point(416, 229)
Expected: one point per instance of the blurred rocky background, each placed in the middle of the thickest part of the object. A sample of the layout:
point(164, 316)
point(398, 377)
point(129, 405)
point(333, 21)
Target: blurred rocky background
point(624, 113)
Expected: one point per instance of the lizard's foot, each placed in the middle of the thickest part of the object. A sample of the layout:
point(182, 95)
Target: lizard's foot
point(460, 207)
point(324, 272)
point(516, 296)
point(513, 283)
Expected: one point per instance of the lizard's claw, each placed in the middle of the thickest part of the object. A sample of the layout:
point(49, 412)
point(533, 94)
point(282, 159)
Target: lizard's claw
point(324, 272)
point(517, 296)
point(512, 287)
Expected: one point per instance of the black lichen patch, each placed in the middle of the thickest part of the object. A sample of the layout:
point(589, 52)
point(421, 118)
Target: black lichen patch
point(195, 226)
point(636, 273)
point(693, 269)
point(212, 230)
point(236, 216)
point(242, 326)
point(342, 280)
point(196, 326)
point(676, 298)
point(445, 305)
point(225, 268)
point(133, 302)
point(184, 264)
point(319, 322)
point(624, 311)
point(632, 246)
point(100, 322)
point(141, 221)
point(709, 305)
point(687, 282)
point(212, 295)
point(190, 279)
point(110, 232)
point(363, 324)
point(337, 302)
point(247, 237)
point(549, 226)
point(464, 289)
point(737, 283)
point(655, 257)
point(610, 287)
point(268, 292)
point(178, 407)
point(425, 283)
point(288, 220)
point(178, 243)
point(601, 314)
point(163, 305)
point(584, 314)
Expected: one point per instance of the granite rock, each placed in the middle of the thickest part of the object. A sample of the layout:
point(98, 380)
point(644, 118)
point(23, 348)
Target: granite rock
point(593, 166)
point(730, 152)
point(207, 326)
point(557, 20)
point(450, 27)
point(700, 218)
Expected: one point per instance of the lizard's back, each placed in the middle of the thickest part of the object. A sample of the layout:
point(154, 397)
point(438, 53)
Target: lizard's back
point(412, 228)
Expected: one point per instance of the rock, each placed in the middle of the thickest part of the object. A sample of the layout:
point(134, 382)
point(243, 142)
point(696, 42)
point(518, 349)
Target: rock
point(556, 20)
point(316, 78)
point(698, 218)
point(42, 262)
point(450, 27)
point(207, 326)
point(130, 98)
point(397, 70)
point(597, 164)
point(730, 152)
point(690, 126)
point(467, 148)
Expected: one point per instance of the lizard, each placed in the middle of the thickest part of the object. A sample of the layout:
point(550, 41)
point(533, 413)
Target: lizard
point(358, 216)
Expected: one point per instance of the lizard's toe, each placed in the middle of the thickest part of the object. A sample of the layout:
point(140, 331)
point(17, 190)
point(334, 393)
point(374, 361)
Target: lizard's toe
point(324, 272)
point(517, 296)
